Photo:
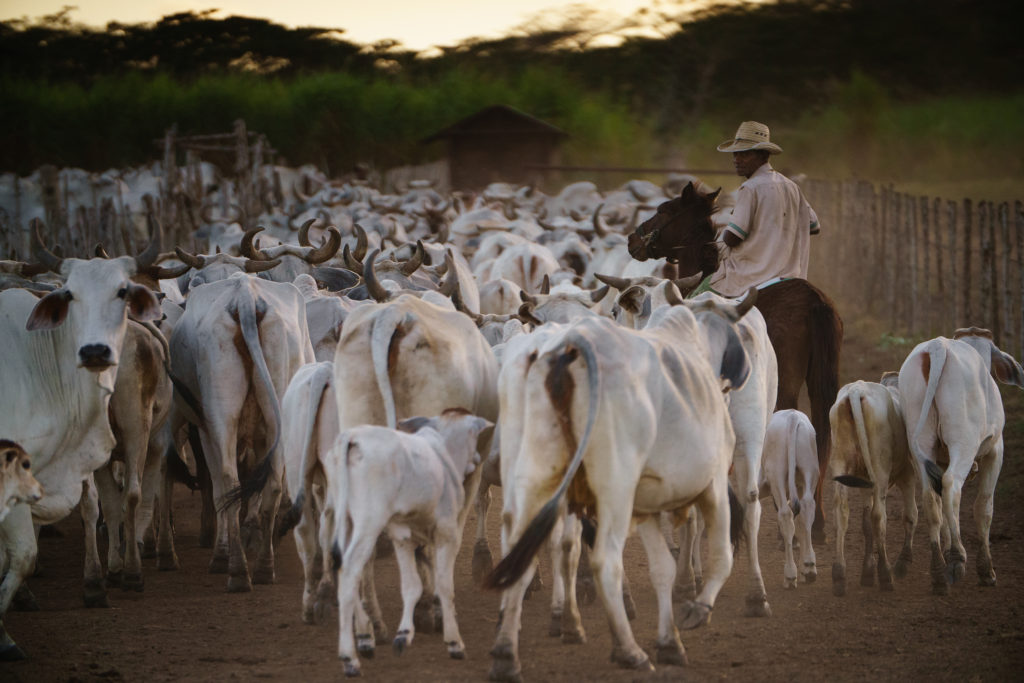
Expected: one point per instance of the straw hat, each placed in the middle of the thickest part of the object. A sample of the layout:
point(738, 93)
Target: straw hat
point(750, 135)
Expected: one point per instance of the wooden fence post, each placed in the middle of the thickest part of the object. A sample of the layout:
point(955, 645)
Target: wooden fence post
point(1018, 221)
point(926, 249)
point(954, 282)
point(911, 223)
point(966, 285)
point(895, 295)
point(1007, 327)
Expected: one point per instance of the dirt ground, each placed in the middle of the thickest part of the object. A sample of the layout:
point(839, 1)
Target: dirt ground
point(186, 627)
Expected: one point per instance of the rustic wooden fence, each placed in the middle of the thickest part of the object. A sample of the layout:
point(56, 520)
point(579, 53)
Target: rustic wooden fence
point(924, 265)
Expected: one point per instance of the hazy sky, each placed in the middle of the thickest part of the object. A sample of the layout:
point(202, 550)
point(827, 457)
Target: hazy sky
point(418, 24)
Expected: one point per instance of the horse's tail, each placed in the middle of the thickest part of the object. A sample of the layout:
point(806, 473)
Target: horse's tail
point(823, 377)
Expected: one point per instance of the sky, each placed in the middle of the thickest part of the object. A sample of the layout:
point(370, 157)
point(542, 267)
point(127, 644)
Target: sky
point(418, 24)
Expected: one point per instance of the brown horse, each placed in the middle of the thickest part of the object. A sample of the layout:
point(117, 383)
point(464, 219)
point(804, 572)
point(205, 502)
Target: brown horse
point(803, 325)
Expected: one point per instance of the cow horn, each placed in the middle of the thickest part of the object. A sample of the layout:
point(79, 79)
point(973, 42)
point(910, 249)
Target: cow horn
point(450, 284)
point(246, 249)
point(297, 191)
point(441, 237)
point(600, 293)
point(414, 262)
point(304, 233)
point(193, 260)
point(256, 266)
point(545, 285)
point(509, 211)
point(619, 283)
point(326, 250)
point(99, 252)
point(748, 302)
point(351, 262)
point(45, 257)
point(672, 294)
point(152, 251)
point(161, 273)
point(373, 285)
point(600, 229)
point(688, 284)
point(362, 242)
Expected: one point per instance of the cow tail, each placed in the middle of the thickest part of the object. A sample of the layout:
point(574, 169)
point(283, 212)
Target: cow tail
point(342, 448)
point(823, 379)
point(381, 338)
point(791, 445)
point(249, 310)
point(318, 384)
point(515, 564)
point(937, 355)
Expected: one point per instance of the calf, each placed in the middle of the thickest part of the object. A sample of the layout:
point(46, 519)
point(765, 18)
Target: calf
point(954, 419)
point(17, 485)
point(870, 451)
point(409, 482)
point(790, 474)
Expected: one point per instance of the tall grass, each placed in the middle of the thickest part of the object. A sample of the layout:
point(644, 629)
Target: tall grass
point(337, 119)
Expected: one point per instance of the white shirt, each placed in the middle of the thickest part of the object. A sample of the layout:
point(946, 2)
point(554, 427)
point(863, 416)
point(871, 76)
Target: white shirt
point(775, 222)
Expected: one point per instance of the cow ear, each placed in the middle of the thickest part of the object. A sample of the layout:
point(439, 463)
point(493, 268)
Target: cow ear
point(735, 364)
point(414, 424)
point(49, 311)
point(143, 306)
point(632, 299)
point(1005, 369)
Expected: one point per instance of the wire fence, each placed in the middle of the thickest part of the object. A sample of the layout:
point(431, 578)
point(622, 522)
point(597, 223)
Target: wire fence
point(926, 265)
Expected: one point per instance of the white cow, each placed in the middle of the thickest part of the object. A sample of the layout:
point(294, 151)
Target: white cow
point(235, 349)
point(870, 451)
point(626, 424)
point(790, 475)
point(411, 484)
point(954, 417)
point(17, 485)
point(60, 373)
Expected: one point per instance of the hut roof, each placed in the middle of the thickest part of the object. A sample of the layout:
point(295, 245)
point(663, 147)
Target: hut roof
point(496, 119)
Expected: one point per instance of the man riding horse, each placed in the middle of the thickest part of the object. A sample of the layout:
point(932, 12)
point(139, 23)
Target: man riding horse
point(767, 237)
point(764, 243)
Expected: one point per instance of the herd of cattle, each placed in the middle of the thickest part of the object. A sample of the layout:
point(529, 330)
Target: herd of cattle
point(379, 361)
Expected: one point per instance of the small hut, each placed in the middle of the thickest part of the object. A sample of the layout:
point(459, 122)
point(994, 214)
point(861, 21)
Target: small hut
point(497, 144)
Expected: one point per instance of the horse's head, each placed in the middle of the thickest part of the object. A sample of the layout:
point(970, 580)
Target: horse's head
point(680, 231)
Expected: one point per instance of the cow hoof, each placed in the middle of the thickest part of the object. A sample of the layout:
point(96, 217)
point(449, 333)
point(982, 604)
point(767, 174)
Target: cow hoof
point(955, 571)
point(366, 645)
point(264, 576)
point(789, 583)
point(555, 627)
point(95, 595)
point(321, 612)
point(147, 549)
point(574, 636)
point(810, 577)
point(899, 569)
point(670, 654)
point(695, 614)
point(940, 586)
point(132, 582)
point(505, 670)
point(12, 653)
point(987, 581)
point(483, 563)
point(24, 600)
point(239, 583)
point(456, 650)
point(309, 616)
point(757, 605)
point(167, 562)
point(219, 564)
point(351, 668)
point(113, 579)
point(839, 587)
point(637, 661)
point(400, 643)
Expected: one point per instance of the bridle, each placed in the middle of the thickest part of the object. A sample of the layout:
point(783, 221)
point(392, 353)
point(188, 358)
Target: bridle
point(649, 240)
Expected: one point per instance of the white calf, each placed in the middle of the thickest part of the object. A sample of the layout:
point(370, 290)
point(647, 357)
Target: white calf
point(17, 485)
point(412, 485)
point(870, 451)
point(790, 473)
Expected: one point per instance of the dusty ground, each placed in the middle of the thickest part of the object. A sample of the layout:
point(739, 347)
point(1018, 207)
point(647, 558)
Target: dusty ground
point(185, 627)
